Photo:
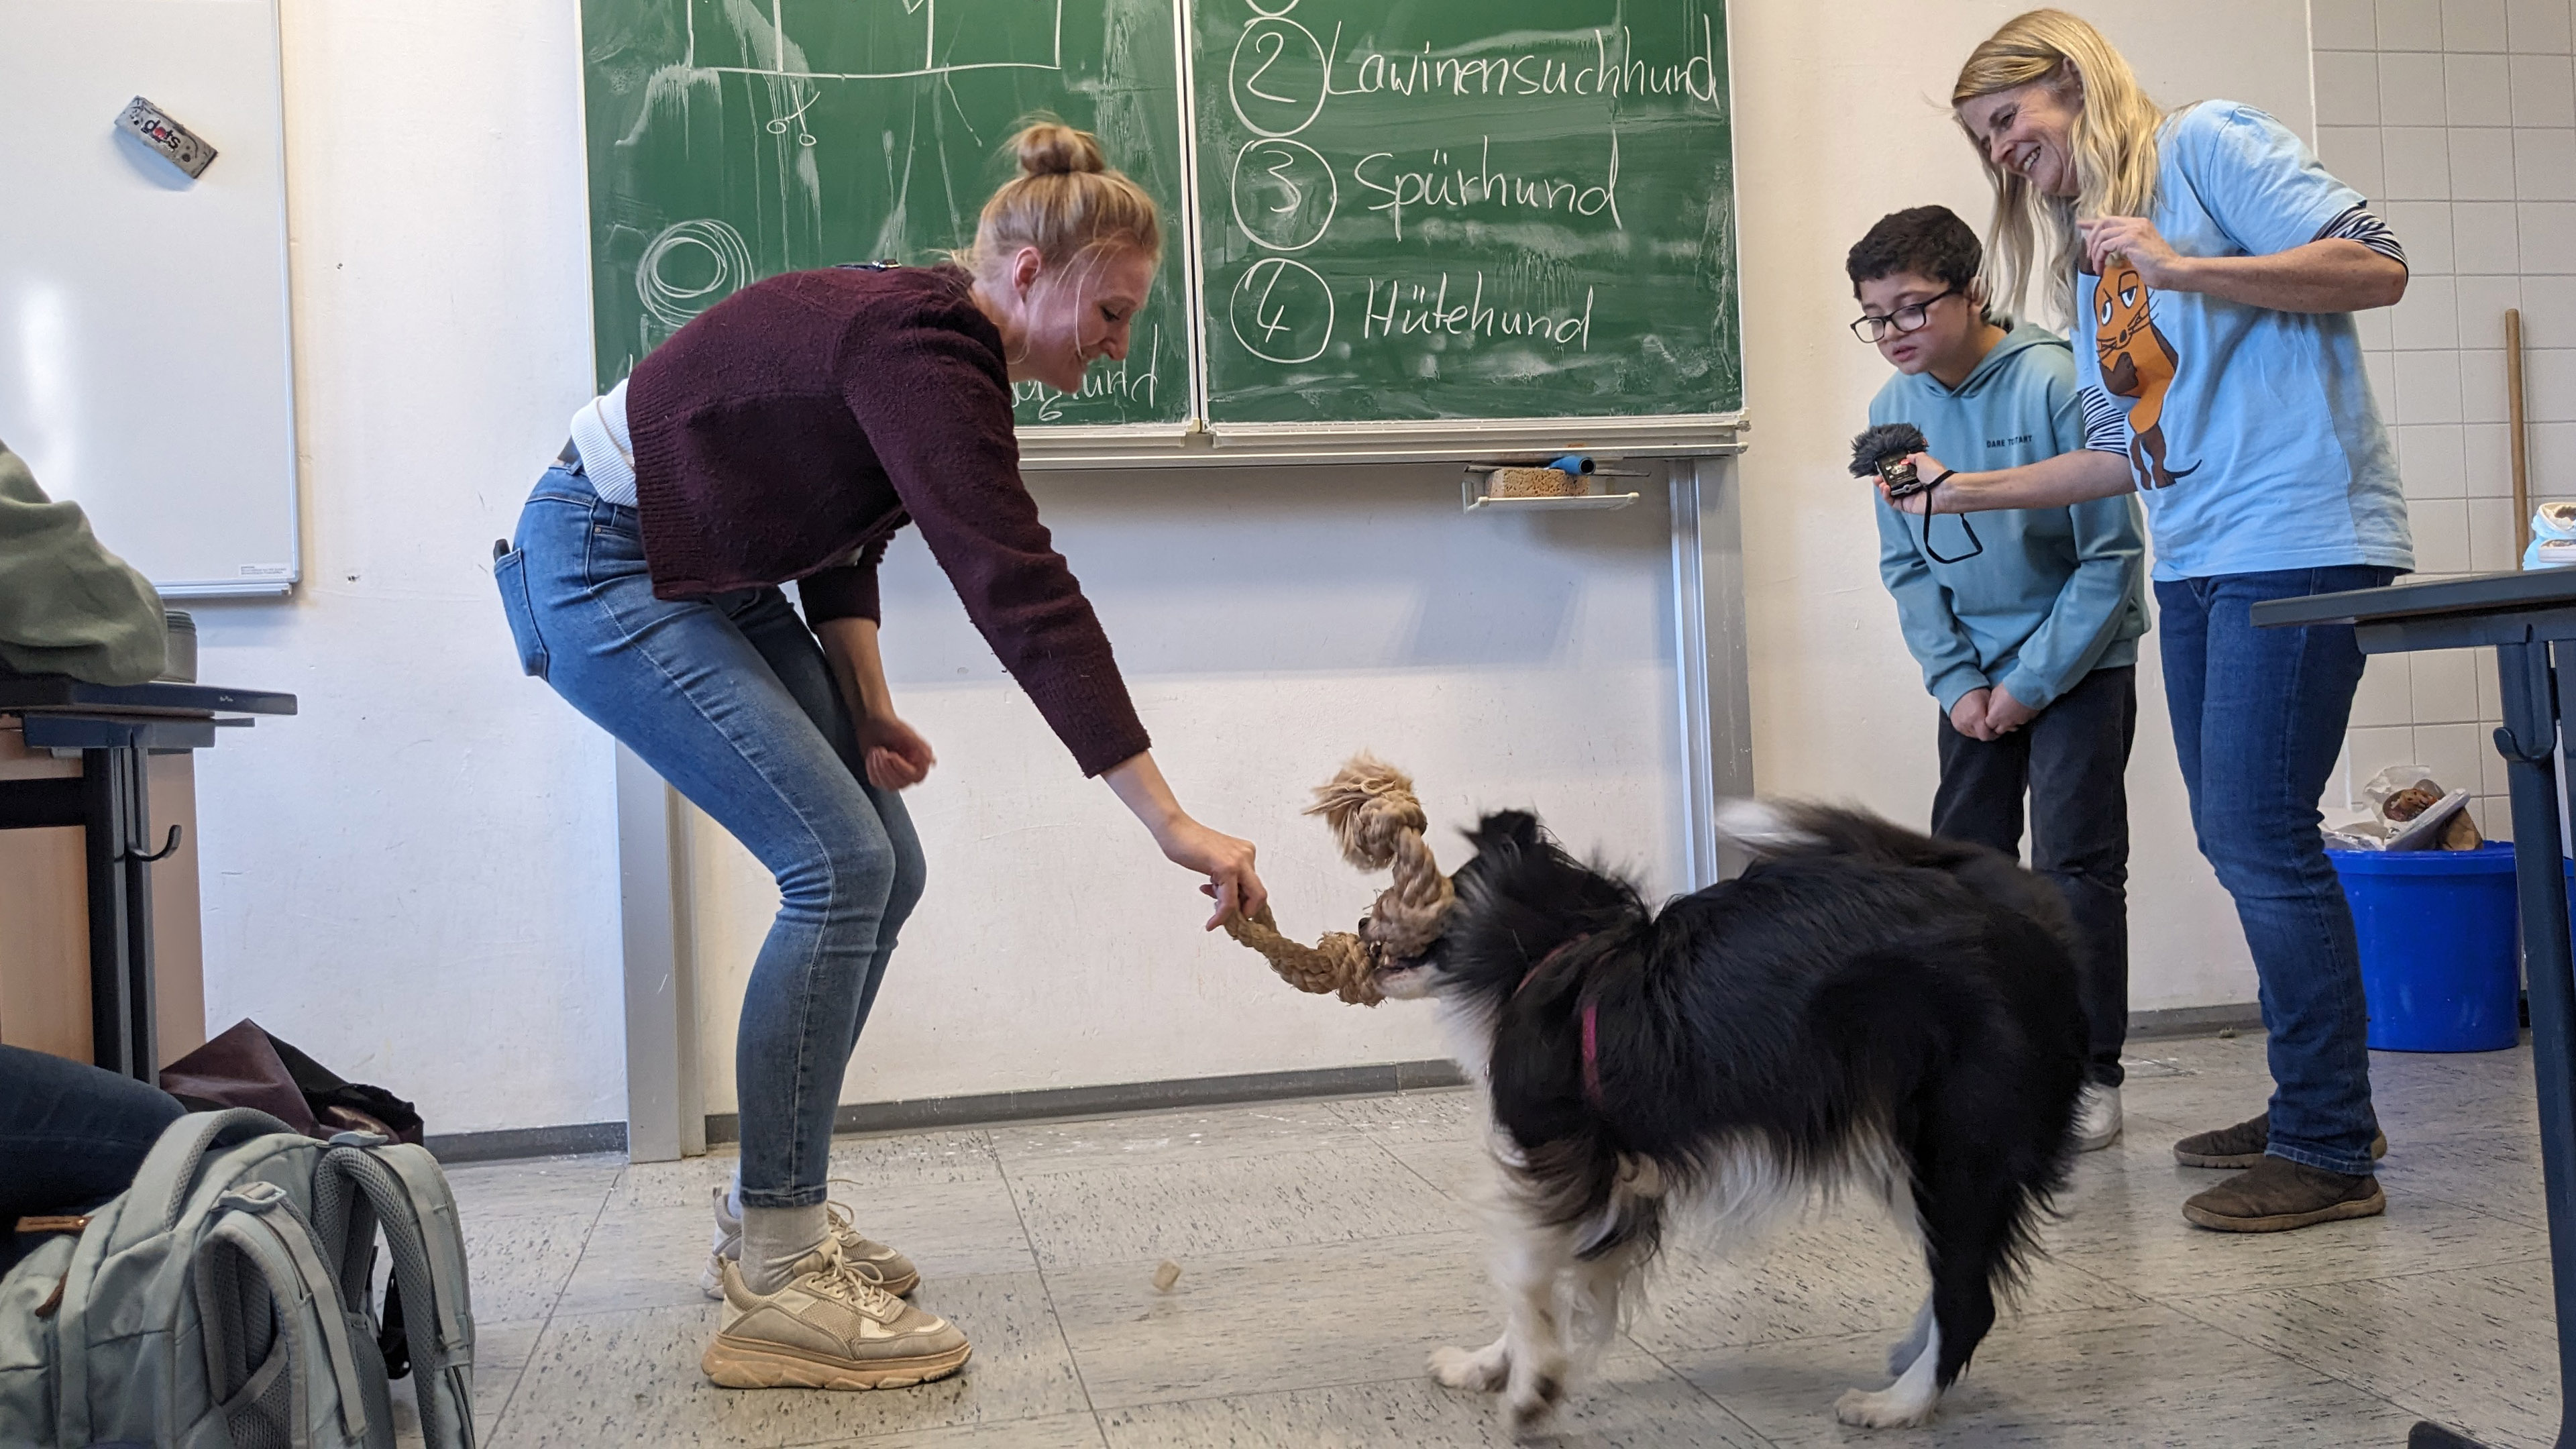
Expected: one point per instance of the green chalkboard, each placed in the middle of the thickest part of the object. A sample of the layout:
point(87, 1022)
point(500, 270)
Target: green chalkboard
point(732, 140)
point(1479, 209)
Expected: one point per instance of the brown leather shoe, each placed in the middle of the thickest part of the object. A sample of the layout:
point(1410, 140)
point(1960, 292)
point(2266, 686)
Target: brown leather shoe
point(2276, 1195)
point(2242, 1145)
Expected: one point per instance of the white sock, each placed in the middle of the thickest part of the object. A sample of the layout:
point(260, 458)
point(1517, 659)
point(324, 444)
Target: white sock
point(775, 1240)
point(733, 1193)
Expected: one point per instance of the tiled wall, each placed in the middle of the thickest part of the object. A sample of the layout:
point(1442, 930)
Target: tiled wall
point(2458, 119)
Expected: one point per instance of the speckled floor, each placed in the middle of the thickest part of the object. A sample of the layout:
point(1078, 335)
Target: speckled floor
point(1326, 1247)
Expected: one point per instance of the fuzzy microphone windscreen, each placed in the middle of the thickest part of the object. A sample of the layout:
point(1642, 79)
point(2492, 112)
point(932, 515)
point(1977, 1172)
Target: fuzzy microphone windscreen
point(1881, 443)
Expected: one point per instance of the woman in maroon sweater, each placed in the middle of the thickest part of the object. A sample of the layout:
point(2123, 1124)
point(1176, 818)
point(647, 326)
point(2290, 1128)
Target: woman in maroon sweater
point(786, 434)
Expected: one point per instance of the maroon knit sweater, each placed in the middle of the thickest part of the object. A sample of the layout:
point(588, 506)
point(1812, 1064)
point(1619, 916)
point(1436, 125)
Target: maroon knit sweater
point(790, 430)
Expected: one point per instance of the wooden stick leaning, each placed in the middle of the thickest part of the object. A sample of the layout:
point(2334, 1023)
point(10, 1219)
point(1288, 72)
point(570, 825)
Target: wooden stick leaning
point(1377, 821)
point(2513, 412)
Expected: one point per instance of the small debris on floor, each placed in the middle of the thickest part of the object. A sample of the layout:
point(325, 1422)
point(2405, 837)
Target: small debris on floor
point(1166, 1275)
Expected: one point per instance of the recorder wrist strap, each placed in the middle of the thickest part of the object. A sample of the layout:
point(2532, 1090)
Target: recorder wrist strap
point(1976, 546)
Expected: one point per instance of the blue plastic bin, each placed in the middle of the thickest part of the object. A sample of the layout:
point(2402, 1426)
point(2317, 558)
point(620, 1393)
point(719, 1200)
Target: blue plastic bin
point(2439, 949)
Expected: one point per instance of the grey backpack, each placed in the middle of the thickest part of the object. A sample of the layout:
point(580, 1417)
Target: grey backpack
point(226, 1299)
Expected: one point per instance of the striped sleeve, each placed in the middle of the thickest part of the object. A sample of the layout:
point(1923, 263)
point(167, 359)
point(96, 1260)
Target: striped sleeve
point(2106, 428)
point(2361, 224)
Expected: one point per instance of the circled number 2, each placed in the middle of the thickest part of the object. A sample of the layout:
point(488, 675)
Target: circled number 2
point(1289, 101)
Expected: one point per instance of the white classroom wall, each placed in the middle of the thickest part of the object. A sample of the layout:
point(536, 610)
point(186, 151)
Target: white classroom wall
point(2459, 120)
point(415, 878)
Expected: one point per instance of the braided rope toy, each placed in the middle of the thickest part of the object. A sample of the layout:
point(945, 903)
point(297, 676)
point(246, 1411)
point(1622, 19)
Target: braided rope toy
point(1374, 816)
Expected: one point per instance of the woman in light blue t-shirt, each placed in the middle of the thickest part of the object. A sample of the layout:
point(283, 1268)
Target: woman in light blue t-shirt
point(2211, 269)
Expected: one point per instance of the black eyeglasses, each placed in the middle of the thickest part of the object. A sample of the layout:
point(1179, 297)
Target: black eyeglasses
point(1910, 318)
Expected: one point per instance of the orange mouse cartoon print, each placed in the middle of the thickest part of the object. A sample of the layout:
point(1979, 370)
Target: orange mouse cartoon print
point(2137, 362)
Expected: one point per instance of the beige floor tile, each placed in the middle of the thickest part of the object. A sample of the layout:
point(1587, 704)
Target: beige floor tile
point(2141, 1061)
point(516, 1266)
point(689, 1182)
point(1631, 1401)
point(1847, 1274)
point(2126, 1377)
point(500, 1353)
point(2242, 1052)
point(1212, 1135)
point(949, 1232)
point(1461, 1168)
point(1453, 1114)
point(1440, 1134)
point(1286, 1319)
point(534, 1187)
point(1067, 1431)
point(1190, 1208)
point(2133, 1234)
point(2199, 1101)
point(2419, 1096)
point(956, 1158)
point(2489, 1172)
point(640, 1258)
point(2424, 1098)
point(2476, 1349)
point(633, 1378)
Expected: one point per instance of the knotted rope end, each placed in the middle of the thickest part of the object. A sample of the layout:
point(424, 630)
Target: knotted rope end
point(1377, 822)
point(1370, 806)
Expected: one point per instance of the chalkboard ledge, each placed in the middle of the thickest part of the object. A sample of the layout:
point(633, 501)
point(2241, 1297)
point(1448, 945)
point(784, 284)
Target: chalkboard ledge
point(1450, 441)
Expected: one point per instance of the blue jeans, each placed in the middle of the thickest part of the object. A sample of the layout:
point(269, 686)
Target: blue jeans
point(71, 1137)
point(2258, 719)
point(729, 699)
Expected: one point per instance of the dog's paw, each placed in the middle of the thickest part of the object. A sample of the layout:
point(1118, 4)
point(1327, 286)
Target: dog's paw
point(1530, 1403)
point(1891, 1409)
point(1483, 1369)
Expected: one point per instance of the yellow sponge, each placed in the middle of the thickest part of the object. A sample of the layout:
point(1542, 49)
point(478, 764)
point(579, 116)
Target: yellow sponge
point(1534, 483)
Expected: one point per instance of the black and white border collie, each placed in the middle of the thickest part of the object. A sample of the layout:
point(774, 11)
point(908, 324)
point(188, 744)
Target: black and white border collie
point(1864, 1008)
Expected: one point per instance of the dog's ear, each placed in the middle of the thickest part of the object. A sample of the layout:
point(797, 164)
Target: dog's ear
point(1515, 828)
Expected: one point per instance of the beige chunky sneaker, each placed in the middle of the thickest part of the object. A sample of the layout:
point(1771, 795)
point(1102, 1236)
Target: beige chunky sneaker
point(830, 1327)
point(892, 1270)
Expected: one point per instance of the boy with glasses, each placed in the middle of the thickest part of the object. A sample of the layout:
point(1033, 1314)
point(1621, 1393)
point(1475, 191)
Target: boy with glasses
point(2027, 633)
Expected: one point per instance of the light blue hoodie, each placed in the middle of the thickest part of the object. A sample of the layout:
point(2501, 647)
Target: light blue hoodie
point(2058, 592)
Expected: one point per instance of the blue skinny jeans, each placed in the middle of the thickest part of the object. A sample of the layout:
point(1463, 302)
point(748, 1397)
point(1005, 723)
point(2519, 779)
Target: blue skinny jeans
point(729, 699)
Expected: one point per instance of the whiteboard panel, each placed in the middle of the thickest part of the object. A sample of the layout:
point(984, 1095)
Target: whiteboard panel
point(145, 366)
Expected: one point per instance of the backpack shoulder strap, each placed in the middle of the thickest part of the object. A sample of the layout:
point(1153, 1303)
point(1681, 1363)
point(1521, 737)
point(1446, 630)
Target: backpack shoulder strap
point(412, 1202)
point(261, 1223)
point(161, 1186)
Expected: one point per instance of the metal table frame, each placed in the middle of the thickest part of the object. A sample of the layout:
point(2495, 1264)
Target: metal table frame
point(2527, 619)
point(117, 730)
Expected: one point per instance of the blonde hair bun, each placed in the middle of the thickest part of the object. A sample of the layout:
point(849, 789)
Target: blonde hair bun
point(1067, 201)
point(1051, 148)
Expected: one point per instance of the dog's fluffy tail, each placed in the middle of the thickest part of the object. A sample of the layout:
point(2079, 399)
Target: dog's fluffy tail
point(1780, 829)
point(1773, 828)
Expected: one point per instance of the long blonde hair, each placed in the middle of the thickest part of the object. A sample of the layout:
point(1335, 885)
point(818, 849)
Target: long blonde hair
point(2113, 144)
point(1067, 202)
